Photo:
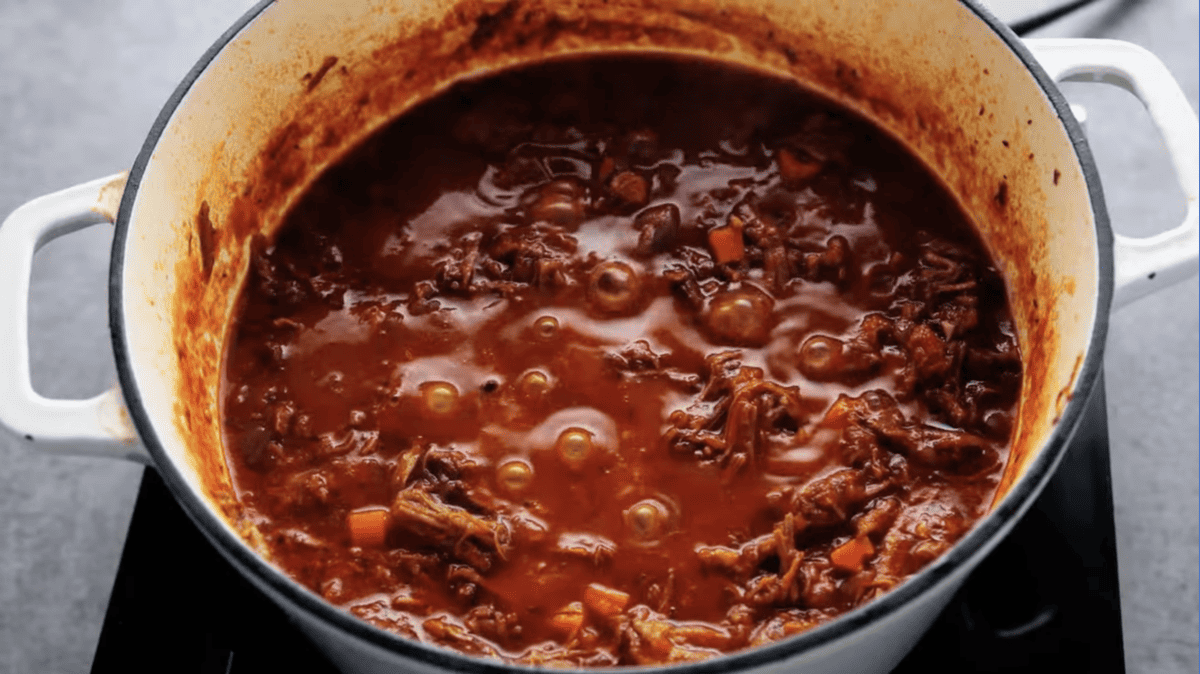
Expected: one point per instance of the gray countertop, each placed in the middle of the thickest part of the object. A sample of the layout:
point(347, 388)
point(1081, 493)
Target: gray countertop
point(81, 82)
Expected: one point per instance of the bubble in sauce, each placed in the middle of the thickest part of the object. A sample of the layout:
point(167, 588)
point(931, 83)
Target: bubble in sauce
point(439, 399)
point(574, 447)
point(546, 327)
point(647, 520)
point(514, 476)
point(741, 317)
point(821, 357)
point(614, 287)
point(534, 384)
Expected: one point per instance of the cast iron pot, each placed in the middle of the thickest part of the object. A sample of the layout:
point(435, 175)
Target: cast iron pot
point(293, 85)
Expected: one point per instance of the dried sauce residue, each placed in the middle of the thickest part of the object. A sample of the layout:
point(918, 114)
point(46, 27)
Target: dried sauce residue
point(313, 79)
point(206, 236)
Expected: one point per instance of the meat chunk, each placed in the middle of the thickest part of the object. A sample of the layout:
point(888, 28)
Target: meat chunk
point(488, 621)
point(785, 624)
point(832, 499)
point(958, 316)
point(456, 272)
point(637, 356)
point(630, 188)
point(821, 587)
point(929, 353)
point(448, 632)
point(940, 447)
point(537, 254)
point(933, 446)
point(922, 531)
point(650, 638)
point(422, 514)
point(658, 227)
point(776, 589)
point(740, 562)
point(592, 548)
point(735, 414)
point(561, 202)
point(879, 517)
point(834, 263)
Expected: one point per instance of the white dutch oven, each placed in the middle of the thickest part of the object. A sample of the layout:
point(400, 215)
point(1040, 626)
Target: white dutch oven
point(294, 84)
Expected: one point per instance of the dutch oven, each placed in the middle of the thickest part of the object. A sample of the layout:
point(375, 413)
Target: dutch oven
point(292, 85)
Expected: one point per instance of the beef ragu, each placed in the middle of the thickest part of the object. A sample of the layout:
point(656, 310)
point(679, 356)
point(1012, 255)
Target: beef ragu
point(618, 360)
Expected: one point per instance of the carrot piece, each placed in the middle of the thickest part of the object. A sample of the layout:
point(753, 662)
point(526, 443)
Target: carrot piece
point(569, 619)
point(605, 601)
point(726, 243)
point(849, 556)
point(368, 528)
point(793, 169)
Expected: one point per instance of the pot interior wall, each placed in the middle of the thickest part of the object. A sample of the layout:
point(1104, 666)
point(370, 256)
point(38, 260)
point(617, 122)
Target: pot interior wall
point(307, 79)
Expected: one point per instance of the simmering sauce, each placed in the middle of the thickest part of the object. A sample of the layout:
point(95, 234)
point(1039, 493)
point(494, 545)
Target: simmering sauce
point(623, 360)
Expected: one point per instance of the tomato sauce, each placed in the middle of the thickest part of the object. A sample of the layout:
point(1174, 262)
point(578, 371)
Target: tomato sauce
point(619, 360)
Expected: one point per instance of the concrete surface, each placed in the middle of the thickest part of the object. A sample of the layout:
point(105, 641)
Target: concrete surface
point(80, 83)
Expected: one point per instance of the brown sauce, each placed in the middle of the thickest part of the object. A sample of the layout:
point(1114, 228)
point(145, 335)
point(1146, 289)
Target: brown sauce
point(624, 360)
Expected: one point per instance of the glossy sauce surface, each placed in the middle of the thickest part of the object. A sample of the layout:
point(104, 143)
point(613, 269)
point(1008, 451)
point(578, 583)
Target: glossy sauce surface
point(618, 361)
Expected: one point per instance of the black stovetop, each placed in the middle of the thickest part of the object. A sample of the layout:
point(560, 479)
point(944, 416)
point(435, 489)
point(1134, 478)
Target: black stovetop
point(1045, 600)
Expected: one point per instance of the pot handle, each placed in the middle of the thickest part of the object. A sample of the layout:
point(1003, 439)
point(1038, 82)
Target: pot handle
point(98, 426)
point(1142, 265)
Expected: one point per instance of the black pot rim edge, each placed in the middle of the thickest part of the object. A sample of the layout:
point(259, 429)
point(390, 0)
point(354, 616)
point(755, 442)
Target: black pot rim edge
point(978, 540)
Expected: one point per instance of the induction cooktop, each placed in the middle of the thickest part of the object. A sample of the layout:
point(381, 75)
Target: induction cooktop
point(1045, 600)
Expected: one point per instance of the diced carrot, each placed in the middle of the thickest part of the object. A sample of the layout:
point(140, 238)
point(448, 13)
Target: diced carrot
point(793, 169)
point(605, 601)
point(849, 556)
point(569, 619)
point(726, 243)
point(368, 528)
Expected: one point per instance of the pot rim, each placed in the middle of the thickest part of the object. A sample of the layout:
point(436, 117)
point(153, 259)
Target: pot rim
point(978, 541)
